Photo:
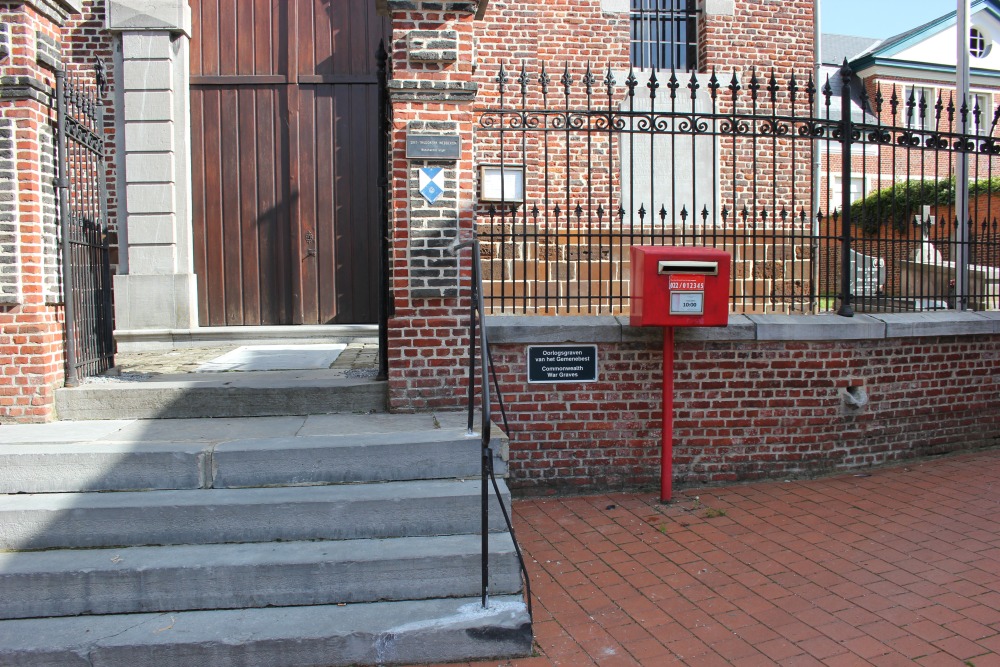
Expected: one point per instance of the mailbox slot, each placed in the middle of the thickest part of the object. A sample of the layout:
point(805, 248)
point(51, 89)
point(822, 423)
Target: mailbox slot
point(688, 268)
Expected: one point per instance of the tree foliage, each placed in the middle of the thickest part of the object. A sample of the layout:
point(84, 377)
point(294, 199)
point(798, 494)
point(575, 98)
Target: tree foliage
point(897, 204)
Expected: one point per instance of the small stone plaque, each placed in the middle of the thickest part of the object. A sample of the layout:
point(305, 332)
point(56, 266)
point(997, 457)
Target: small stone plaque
point(562, 363)
point(867, 274)
point(433, 146)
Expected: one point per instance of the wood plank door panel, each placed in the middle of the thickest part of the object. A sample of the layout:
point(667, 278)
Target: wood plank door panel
point(285, 112)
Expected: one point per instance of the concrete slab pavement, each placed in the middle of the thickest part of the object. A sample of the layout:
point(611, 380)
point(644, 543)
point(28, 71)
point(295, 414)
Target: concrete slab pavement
point(897, 566)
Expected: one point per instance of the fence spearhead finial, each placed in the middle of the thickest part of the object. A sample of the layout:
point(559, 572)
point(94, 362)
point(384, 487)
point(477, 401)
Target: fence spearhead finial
point(845, 71)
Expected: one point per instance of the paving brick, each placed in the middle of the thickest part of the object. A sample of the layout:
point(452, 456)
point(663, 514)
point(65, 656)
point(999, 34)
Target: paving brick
point(712, 627)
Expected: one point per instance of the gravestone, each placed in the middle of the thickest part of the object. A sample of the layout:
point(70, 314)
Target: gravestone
point(926, 253)
point(867, 274)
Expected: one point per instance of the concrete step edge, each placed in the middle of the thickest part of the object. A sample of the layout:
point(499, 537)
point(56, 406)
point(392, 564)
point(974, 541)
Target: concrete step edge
point(213, 516)
point(195, 577)
point(145, 340)
point(241, 462)
point(375, 633)
point(139, 401)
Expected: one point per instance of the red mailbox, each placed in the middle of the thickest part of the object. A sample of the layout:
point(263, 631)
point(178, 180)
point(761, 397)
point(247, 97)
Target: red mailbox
point(679, 287)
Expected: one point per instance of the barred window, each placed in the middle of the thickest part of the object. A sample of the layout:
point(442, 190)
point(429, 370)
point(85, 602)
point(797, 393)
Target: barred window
point(980, 114)
point(664, 34)
point(979, 45)
point(918, 105)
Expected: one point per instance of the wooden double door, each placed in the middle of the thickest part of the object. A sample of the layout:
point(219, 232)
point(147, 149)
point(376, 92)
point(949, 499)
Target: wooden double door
point(285, 114)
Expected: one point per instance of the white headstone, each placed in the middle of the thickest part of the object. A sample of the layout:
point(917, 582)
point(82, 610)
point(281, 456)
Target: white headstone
point(926, 253)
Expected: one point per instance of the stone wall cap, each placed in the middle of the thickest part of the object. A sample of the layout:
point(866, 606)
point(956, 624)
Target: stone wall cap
point(994, 317)
point(826, 326)
point(740, 327)
point(477, 7)
point(149, 15)
point(56, 10)
point(553, 329)
point(940, 323)
point(507, 329)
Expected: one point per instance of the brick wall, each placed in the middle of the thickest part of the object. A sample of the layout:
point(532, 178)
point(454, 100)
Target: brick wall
point(576, 181)
point(35, 39)
point(750, 410)
point(431, 93)
point(30, 326)
point(763, 34)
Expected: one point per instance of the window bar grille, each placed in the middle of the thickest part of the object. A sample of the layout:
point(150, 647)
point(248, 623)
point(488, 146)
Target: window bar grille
point(664, 34)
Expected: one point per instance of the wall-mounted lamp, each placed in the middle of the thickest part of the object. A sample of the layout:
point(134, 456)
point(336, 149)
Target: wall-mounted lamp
point(501, 183)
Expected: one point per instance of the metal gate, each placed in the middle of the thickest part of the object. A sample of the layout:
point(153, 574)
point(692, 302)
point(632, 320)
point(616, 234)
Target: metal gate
point(579, 165)
point(286, 161)
point(86, 260)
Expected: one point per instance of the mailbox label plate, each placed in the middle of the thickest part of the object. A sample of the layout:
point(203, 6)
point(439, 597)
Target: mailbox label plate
point(562, 363)
point(687, 303)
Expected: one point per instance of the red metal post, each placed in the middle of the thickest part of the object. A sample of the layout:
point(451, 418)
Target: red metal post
point(667, 446)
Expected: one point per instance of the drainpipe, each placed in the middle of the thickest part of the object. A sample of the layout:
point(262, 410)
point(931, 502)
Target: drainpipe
point(817, 160)
point(961, 257)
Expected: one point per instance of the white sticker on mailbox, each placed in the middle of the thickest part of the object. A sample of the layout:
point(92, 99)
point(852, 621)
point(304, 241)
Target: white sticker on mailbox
point(687, 303)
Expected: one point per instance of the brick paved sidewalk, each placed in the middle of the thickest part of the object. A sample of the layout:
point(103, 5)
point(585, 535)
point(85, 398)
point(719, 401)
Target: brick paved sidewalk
point(897, 567)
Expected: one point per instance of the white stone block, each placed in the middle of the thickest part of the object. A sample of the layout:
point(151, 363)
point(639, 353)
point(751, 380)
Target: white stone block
point(720, 7)
point(151, 230)
point(151, 137)
point(615, 6)
point(147, 46)
point(150, 198)
point(148, 105)
point(156, 302)
point(149, 167)
point(148, 75)
point(152, 260)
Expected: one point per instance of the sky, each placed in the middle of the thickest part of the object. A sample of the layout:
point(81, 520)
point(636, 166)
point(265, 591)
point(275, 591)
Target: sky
point(879, 18)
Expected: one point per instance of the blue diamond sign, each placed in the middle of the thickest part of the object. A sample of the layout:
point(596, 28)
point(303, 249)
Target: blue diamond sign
point(431, 183)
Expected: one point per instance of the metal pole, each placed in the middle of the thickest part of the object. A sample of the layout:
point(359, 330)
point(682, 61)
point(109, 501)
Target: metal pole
point(817, 158)
point(486, 425)
point(385, 264)
point(472, 359)
point(65, 215)
point(961, 257)
point(845, 192)
point(667, 419)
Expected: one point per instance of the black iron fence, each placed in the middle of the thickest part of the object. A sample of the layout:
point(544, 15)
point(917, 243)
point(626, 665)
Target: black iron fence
point(829, 197)
point(86, 264)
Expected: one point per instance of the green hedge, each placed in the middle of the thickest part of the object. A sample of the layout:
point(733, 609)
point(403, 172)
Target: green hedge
point(898, 203)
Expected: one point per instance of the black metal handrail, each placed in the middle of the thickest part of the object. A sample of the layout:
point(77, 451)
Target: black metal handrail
point(487, 473)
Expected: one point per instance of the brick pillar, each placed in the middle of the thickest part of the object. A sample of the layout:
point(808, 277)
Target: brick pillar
point(431, 93)
point(31, 314)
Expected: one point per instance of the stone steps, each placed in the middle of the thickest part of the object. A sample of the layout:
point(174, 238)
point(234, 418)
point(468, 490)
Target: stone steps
point(73, 582)
point(214, 395)
point(31, 522)
point(288, 540)
point(380, 633)
point(222, 459)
